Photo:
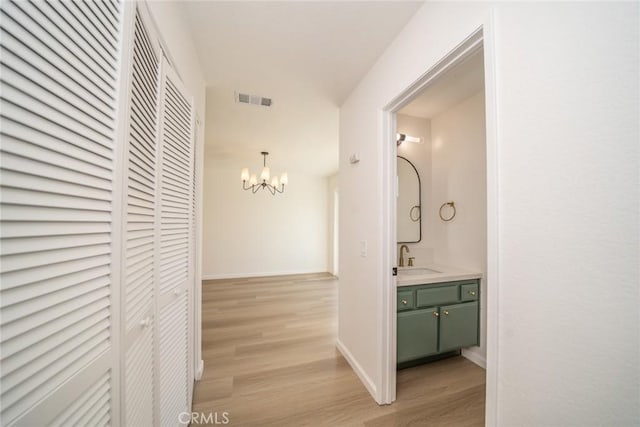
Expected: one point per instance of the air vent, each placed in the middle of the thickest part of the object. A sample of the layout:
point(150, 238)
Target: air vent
point(245, 98)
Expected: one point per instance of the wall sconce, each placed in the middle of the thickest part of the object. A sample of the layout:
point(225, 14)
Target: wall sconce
point(401, 137)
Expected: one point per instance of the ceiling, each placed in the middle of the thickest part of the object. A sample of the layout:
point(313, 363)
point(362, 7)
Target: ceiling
point(306, 56)
point(458, 84)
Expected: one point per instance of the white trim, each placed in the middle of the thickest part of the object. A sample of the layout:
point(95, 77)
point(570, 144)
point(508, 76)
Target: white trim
point(387, 347)
point(118, 273)
point(364, 378)
point(469, 46)
point(475, 356)
point(199, 370)
point(197, 281)
point(265, 274)
point(492, 283)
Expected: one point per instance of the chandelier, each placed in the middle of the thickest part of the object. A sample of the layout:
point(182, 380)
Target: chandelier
point(254, 185)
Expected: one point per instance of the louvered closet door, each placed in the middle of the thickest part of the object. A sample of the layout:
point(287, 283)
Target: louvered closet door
point(59, 72)
point(175, 272)
point(139, 230)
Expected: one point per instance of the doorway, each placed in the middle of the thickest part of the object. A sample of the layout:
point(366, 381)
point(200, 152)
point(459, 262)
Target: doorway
point(464, 52)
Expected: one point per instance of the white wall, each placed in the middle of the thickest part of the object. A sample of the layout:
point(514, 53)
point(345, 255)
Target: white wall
point(459, 174)
point(567, 140)
point(259, 234)
point(568, 155)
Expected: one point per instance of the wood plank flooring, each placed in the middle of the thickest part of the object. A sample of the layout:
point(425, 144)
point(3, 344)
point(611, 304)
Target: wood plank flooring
point(270, 360)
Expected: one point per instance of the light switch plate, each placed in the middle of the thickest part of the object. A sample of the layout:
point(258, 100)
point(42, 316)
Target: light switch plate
point(363, 248)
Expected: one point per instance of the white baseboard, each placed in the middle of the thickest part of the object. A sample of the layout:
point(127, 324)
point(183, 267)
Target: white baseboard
point(264, 274)
point(475, 356)
point(364, 378)
point(199, 370)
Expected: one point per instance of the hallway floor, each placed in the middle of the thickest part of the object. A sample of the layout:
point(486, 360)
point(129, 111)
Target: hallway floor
point(270, 360)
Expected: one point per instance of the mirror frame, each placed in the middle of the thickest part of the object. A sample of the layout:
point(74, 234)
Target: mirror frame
point(419, 200)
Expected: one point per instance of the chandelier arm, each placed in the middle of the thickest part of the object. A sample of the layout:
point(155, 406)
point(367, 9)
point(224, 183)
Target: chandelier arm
point(271, 189)
point(279, 190)
point(255, 188)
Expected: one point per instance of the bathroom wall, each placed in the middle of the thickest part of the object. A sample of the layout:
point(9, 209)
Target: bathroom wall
point(459, 175)
point(420, 156)
point(564, 176)
point(259, 234)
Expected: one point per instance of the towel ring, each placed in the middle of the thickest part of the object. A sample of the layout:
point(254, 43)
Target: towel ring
point(453, 215)
point(411, 216)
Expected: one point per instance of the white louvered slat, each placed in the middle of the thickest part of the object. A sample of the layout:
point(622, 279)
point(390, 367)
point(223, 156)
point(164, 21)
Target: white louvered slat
point(140, 258)
point(175, 188)
point(174, 242)
point(89, 409)
point(139, 366)
point(173, 361)
point(57, 165)
point(141, 177)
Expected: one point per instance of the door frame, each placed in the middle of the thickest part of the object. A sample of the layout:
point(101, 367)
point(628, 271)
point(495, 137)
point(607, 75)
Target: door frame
point(481, 38)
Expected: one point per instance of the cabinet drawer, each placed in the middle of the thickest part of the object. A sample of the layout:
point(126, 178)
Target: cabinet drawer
point(434, 296)
point(405, 300)
point(469, 292)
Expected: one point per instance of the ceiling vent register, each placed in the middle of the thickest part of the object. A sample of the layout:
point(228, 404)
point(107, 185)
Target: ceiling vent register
point(245, 98)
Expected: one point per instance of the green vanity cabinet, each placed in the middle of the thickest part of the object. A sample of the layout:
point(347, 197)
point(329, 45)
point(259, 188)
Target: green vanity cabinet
point(458, 326)
point(437, 318)
point(417, 323)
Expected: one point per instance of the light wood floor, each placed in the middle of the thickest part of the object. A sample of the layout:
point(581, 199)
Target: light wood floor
point(270, 360)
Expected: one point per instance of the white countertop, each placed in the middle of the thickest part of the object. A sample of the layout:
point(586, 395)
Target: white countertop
point(417, 275)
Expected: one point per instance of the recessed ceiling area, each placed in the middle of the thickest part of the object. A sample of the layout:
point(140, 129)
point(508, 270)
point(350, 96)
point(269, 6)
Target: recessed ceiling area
point(305, 56)
point(458, 84)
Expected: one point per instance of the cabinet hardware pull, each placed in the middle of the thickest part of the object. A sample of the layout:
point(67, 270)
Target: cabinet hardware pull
point(404, 302)
point(436, 314)
point(472, 293)
point(446, 312)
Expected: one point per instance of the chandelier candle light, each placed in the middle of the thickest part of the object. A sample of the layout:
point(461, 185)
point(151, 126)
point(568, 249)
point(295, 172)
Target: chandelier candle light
point(253, 185)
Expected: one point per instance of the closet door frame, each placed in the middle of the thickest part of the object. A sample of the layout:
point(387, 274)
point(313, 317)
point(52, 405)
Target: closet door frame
point(117, 242)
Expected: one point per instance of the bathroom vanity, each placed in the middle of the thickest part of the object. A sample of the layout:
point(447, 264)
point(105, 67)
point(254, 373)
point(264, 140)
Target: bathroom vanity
point(437, 312)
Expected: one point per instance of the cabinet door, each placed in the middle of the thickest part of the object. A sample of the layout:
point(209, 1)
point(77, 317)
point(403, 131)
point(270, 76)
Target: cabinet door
point(175, 272)
point(140, 255)
point(58, 167)
point(417, 334)
point(458, 326)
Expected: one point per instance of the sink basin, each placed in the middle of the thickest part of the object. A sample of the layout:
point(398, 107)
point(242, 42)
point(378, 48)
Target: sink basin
point(417, 271)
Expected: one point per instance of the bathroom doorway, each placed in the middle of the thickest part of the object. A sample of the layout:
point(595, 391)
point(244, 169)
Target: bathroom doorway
point(448, 151)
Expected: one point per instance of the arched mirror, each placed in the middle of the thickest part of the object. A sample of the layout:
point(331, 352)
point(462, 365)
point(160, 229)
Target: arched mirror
point(409, 215)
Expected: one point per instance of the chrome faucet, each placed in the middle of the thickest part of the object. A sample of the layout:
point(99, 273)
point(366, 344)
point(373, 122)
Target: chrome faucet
point(401, 261)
